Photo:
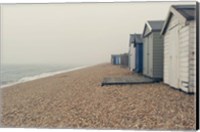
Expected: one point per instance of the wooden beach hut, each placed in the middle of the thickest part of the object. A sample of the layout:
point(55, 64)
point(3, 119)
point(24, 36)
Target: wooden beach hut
point(179, 32)
point(124, 60)
point(112, 59)
point(116, 59)
point(153, 50)
point(131, 53)
point(138, 44)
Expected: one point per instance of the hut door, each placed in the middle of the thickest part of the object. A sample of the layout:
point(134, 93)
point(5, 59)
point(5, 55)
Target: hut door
point(174, 63)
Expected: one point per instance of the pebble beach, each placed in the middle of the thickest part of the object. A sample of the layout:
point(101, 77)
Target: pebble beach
point(76, 99)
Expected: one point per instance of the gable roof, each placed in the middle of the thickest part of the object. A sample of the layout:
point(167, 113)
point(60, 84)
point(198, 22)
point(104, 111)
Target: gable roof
point(187, 12)
point(155, 25)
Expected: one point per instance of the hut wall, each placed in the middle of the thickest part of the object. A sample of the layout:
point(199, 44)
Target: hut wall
point(170, 69)
point(145, 55)
point(131, 57)
point(150, 55)
point(179, 55)
point(157, 55)
point(192, 57)
point(183, 57)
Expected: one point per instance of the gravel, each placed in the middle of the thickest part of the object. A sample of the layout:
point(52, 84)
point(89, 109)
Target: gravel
point(77, 100)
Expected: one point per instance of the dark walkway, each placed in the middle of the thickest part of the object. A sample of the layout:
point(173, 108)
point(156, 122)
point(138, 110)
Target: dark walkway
point(134, 79)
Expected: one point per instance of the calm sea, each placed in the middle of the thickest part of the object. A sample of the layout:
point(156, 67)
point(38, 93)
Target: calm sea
point(13, 74)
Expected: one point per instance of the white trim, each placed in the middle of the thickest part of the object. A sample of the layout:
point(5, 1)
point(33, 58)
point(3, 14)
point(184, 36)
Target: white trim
point(149, 26)
point(176, 13)
point(173, 11)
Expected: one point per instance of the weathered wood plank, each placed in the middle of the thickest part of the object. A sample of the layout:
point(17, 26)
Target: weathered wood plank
point(127, 80)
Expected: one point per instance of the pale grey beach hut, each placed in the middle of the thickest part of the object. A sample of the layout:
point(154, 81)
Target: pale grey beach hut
point(179, 32)
point(153, 49)
point(112, 59)
point(131, 53)
point(124, 60)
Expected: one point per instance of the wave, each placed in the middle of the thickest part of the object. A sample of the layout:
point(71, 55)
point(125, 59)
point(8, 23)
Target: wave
point(42, 75)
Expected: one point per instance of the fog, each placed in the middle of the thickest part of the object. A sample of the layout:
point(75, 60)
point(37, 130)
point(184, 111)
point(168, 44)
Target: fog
point(72, 33)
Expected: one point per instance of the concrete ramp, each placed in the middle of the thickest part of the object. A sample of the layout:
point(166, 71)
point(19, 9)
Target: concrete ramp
point(122, 80)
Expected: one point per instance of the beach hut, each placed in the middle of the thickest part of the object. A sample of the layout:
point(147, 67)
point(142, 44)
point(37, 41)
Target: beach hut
point(112, 59)
point(131, 53)
point(179, 32)
point(124, 60)
point(138, 45)
point(153, 49)
point(116, 59)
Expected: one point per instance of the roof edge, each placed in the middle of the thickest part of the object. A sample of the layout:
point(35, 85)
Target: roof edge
point(171, 12)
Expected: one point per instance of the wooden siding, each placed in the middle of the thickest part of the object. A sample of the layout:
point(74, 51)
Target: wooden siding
point(168, 64)
point(174, 22)
point(145, 53)
point(131, 57)
point(148, 56)
point(192, 57)
point(184, 57)
point(157, 55)
point(166, 58)
point(186, 54)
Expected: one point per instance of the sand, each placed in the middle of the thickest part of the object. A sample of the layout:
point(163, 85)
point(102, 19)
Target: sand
point(77, 100)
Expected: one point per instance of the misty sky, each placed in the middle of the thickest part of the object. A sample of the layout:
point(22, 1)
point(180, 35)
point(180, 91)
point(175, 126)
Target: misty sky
point(72, 33)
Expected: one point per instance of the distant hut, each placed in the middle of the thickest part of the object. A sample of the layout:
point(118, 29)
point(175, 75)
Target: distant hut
point(138, 44)
point(112, 59)
point(131, 53)
point(124, 60)
point(153, 50)
point(116, 59)
point(179, 32)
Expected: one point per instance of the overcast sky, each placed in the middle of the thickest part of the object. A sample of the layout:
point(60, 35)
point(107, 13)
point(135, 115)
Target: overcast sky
point(72, 33)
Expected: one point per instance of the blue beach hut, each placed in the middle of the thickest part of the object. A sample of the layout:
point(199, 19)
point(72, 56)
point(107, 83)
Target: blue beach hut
point(138, 44)
point(116, 59)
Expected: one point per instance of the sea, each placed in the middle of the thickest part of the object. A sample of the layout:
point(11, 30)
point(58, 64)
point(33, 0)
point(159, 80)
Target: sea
point(11, 74)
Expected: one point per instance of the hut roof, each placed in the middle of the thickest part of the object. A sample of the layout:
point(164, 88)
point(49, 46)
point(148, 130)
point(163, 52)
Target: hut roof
point(185, 12)
point(155, 25)
point(188, 11)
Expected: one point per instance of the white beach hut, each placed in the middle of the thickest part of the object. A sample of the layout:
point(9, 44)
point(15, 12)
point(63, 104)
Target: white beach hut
point(153, 50)
point(179, 32)
point(131, 53)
